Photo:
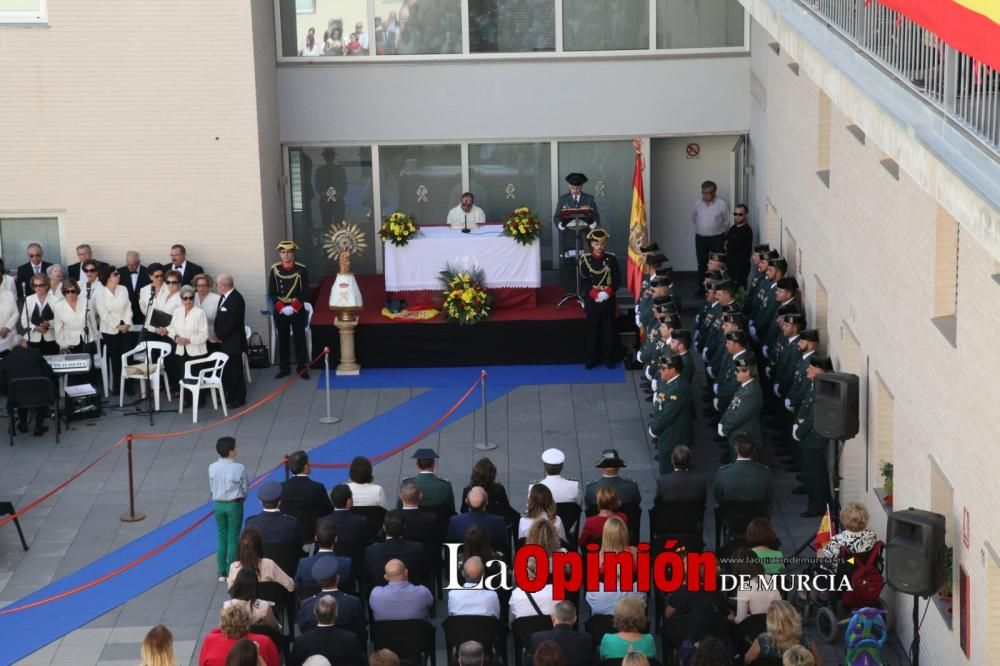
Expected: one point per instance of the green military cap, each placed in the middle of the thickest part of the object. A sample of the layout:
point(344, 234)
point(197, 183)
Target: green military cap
point(809, 335)
point(788, 284)
point(739, 337)
point(779, 263)
point(761, 247)
point(425, 454)
point(674, 361)
point(681, 334)
point(725, 285)
point(746, 361)
point(609, 458)
point(795, 318)
point(733, 318)
point(657, 258)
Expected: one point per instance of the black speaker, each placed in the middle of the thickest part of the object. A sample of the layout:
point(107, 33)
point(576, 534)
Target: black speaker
point(915, 552)
point(835, 405)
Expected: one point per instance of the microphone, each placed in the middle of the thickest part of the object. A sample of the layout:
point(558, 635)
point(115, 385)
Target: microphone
point(465, 229)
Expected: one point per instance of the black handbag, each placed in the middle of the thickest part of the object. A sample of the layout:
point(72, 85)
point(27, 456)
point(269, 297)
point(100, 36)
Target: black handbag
point(258, 354)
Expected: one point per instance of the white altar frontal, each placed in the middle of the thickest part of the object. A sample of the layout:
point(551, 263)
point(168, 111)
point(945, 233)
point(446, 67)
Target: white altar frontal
point(505, 263)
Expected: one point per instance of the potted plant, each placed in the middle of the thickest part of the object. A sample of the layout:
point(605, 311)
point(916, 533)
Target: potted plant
point(886, 470)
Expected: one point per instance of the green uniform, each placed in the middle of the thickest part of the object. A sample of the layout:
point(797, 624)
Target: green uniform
point(627, 489)
point(784, 370)
point(434, 490)
point(728, 384)
point(767, 312)
point(796, 393)
point(743, 481)
point(743, 415)
point(688, 371)
point(813, 446)
point(673, 419)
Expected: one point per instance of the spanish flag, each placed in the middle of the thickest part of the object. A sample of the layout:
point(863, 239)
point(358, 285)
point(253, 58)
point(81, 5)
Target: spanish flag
point(637, 232)
point(970, 26)
point(825, 531)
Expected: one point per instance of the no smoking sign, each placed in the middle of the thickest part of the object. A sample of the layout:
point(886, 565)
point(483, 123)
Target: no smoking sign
point(693, 151)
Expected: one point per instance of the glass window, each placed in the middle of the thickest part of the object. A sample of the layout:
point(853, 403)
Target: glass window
point(681, 24)
point(511, 26)
point(23, 11)
point(328, 186)
point(408, 27)
point(504, 176)
point(17, 233)
point(605, 25)
point(608, 166)
point(423, 181)
point(324, 28)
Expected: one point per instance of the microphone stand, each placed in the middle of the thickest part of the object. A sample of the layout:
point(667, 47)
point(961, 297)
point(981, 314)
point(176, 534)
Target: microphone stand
point(144, 338)
point(466, 229)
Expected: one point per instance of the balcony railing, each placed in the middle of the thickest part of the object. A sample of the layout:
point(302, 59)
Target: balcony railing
point(965, 90)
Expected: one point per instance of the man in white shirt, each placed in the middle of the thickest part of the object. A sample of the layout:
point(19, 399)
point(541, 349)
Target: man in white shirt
point(563, 489)
point(472, 601)
point(466, 215)
point(710, 218)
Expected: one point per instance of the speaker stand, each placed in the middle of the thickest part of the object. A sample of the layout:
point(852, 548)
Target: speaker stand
point(838, 451)
point(915, 645)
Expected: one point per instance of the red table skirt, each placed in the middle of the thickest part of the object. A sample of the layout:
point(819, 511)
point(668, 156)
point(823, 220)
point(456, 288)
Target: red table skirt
point(502, 298)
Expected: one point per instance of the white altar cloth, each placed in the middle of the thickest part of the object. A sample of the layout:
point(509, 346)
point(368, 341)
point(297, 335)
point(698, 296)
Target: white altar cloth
point(506, 263)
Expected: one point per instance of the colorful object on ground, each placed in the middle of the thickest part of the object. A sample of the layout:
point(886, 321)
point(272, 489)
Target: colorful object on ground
point(522, 225)
point(865, 635)
point(398, 228)
point(638, 235)
point(466, 300)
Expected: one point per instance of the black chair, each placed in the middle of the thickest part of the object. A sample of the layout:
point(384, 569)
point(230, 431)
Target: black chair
point(673, 633)
point(31, 393)
point(569, 513)
point(285, 555)
point(598, 625)
point(279, 639)
point(355, 552)
point(677, 518)
point(484, 629)
point(732, 518)
point(283, 600)
point(411, 640)
point(375, 515)
point(435, 561)
point(633, 515)
point(523, 628)
point(617, 662)
point(7, 509)
point(752, 626)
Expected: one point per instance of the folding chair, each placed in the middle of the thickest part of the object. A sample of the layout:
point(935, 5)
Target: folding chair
point(7, 509)
point(31, 393)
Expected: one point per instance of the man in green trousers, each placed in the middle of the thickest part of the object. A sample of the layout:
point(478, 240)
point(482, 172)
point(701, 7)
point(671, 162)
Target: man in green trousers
point(228, 482)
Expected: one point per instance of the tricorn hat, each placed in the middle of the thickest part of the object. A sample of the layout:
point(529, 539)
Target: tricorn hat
point(576, 179)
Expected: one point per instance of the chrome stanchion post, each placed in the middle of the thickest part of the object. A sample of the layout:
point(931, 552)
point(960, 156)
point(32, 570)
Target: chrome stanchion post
point(486, 444)
point(131, 516)
point(326, 378)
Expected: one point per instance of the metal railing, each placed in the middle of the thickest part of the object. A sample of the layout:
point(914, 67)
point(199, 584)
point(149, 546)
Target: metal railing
point(965, 90)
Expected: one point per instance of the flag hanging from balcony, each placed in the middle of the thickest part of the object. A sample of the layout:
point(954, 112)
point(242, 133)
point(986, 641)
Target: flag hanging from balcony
point(970, 26)
point(637, 233)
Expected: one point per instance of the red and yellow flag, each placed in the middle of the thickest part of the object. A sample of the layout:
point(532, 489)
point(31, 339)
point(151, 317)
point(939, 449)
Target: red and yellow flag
point(637, 232)
point(825, 531)
point(970, 26)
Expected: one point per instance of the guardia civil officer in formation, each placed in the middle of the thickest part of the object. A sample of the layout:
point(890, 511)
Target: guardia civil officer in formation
point(288, 287)
point(673, 411)
point(812, 445)
point(742, 416)
point(600, 278)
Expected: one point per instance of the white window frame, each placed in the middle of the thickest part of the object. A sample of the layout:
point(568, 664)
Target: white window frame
point(38, 18)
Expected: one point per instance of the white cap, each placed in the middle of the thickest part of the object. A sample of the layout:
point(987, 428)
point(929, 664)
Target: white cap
point(553, 457)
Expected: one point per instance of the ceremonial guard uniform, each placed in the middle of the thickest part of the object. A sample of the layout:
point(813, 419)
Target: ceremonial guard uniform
point(434, 490)
point(563, 489)
point(627, 489)
point(743, 481)
point(673, 414)
point(288, 287)
point(574, 199)
point(743, 413)
point(599, 280)
point(812, 445)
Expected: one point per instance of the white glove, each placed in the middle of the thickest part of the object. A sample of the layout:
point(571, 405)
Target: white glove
point(637, 322)
point(788, 404)
point(704, 354)
point(697, 318)
point(638, 356)
point(765, 350)
point(753, 330)
point(601, 297)
point(562, 227)
point(715, 388)
point(715, 404)
point(767, 371)
point(777, 391)
point(647, 373)
point(288, 310)
point(637, 312)
point(650, 431)
point(710, 372)
point(654, 384)
point(719, 430)
point(795, 432)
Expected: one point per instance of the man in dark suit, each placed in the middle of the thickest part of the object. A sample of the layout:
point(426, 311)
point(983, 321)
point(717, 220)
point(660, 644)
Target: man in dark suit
point(575, 198)
point(351, 616)
point(83, 253)
point(326, 540)
point(743, 480)
point(493, 526)
point(351, 528)
point(395, 547)
point(179, 262)
point(417, 525)
point(275, 527)
point(303, 498)
point(26, 363)
point(577, 646)
point(682, 485)
point(134, 277)
point(337, 645)
point(25, 272)
point(230, 320)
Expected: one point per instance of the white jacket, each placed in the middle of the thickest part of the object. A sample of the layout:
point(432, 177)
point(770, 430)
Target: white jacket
point(30, 304)
point(191, 325)
point(164, 301)
point(69, 323)
point(8, 319)
point(113, 308)
point(211, 306)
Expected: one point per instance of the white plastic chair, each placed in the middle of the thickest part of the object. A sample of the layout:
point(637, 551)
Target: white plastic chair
point(247, 331)
point(101, 363)
point(309, 337)
point(209, 377)
point(144, 353)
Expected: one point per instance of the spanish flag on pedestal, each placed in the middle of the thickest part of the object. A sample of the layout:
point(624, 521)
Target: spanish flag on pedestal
point(825, 531)
point(637, 233)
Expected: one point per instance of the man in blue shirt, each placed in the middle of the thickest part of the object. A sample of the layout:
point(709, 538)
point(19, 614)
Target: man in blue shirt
point(228, 482)
point(400, 599)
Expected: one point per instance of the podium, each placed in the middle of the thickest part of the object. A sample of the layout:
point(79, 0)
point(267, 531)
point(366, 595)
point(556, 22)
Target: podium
point(576, 220)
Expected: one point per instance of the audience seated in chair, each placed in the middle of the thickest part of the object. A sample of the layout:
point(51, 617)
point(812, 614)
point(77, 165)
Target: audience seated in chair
point(784, 630)
point(484, 475)
point(395, 547)
point(244, 592)
point(630, 621)
point(302, 498)
point(351, 528)
point(541, 505)
point(493, 525)
point(577, 648)
point(326, 540)
point(328, 639)
point(470, 600)
point(607, 506)
point(234, 624)
point(399, 599)
point(363, 491)
point(276, 527)
point(351, 615)
point(250, 555)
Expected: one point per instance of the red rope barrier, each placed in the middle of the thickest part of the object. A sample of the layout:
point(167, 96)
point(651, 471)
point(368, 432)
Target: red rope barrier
point(270, 396)
point(187, 530)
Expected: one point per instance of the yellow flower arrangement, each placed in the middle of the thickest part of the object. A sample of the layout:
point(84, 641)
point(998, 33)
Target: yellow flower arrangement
point(466, 300)
point(398, 228)
point(522, 225)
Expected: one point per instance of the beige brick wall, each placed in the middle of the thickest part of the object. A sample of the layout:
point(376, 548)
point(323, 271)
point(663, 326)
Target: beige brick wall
point(110, 118)
point(871, 240)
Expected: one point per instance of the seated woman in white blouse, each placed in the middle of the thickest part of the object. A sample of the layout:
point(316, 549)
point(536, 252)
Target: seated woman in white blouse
point(189, 331)
point(8, 321)
point(208, 301)
point(363, 491)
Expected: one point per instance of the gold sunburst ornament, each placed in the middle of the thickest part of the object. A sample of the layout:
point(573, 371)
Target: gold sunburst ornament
point(344, 236)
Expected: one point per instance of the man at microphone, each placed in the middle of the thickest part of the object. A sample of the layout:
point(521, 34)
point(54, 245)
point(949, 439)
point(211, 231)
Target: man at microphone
point(466, 215)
